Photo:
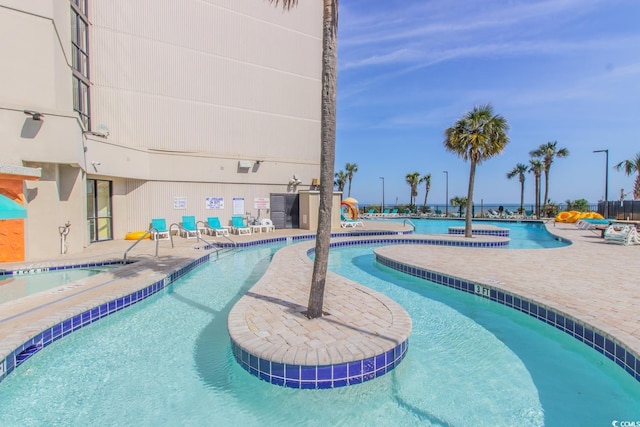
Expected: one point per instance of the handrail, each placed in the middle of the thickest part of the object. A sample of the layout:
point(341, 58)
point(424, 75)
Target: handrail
point(146, 233)
point(217, 249)
point(171, 234)
point(410, 222)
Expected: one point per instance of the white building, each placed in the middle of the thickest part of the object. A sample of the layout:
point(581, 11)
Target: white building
point(113, 112)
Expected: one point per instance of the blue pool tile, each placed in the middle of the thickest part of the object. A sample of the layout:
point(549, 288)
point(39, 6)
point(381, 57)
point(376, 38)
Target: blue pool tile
point(609, 346)
point(579, 330)
point(340, 383)
point(292, 383)
point(324, 384)
point(381, 361)
point(355, 368)
point(264, 365)
point(355, 380)
point(308, 373)
point(277, 369)
point(621, 353)
point(292, 372)
point(277, 381)
point(308, 385)
point(264, 376)
point(325, 373)
point(569, 325)
point(254, 361)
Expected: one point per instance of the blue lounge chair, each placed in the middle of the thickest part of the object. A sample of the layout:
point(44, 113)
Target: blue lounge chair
point(159, 229)
point(238, 226)
point(214, 228)
point(188, 227)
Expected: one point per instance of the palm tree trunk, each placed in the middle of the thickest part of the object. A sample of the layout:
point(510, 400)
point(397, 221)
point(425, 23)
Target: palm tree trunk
point(521, 197)
point(467, 217)
point(349, 193)
point(425, 199)
point(327, 156)
point(546, 188)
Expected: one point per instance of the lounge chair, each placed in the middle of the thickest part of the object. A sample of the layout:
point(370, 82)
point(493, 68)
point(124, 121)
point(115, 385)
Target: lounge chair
point(394, 212)
point(346, 222)
point(214, 228)
point(267, 225)
point(369, 214)
point(622, 235)
point(188, 227)
point(238, 226)
point(159, 229)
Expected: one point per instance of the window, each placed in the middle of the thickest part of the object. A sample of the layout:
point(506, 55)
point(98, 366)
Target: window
point(80, 60)
point(99, 216)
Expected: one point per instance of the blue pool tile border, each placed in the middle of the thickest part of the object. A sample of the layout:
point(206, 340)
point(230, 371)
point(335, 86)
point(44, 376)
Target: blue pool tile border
point(320, 376)
point(72, 324)
point(47, 269)
point(583, 332)
point(501, 232)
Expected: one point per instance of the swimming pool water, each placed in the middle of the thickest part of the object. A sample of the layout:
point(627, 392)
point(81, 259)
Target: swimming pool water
point(523, 235)
point(14, 287)
point(167, 361)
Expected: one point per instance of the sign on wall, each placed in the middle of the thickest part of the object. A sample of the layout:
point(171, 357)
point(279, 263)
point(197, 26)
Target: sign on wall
point(179, 203)
point(214, 202)
point(238, 205)
point(261, 203)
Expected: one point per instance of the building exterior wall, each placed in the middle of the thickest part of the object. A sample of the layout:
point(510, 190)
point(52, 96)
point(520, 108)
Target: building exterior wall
point(187, 91)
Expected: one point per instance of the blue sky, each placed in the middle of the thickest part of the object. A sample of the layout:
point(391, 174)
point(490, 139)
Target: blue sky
point(557, 70)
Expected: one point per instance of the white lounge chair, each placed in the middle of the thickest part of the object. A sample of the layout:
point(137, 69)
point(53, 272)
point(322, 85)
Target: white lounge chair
point(267, 225)
point(159, 229)
point(622, 235)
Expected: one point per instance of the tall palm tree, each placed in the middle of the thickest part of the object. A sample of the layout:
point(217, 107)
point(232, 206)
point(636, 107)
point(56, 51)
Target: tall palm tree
point(630, 167)
point(327, 149)
point(341, 180)
point(427, 186)
point(519, 170)
point(461, 202)
point(351, 168)
point(536, 167)
point(413, 179)
point(477, 136)
point(548, 152)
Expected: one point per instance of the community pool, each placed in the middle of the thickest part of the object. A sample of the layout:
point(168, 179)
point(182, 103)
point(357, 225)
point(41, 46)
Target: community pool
point(168, 361)
point(523, 235)
point(21, 285)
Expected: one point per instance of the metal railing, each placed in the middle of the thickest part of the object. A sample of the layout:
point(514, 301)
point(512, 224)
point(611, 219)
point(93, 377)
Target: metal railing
point(146, 233)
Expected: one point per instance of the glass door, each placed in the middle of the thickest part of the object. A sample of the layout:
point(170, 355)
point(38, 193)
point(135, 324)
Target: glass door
point(99, 210)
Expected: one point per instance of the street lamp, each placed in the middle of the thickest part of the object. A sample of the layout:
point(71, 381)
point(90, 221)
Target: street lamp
point(606, 182)
point(446, 202)
point(382, 178)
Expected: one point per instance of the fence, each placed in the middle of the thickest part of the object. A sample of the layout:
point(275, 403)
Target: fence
point(626, 210)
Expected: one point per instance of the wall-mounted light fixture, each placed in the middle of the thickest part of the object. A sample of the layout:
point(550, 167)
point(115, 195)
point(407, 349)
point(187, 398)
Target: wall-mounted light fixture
point(244, 164)
point(259, 161)
point(35, 115)
point(98, 133)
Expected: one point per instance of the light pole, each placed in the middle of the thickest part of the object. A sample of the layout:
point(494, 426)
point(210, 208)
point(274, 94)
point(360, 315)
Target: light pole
point(446, 201)
point(382, 178)
point(606, 182)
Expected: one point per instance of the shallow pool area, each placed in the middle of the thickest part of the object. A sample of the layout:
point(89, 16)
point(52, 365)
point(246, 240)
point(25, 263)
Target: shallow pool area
point(22, 283)
point(470, 362)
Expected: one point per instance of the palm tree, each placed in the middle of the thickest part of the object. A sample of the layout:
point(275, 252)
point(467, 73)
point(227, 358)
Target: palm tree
point(476, 136)
point(341, 180)
point(519, 170)
point(461, 202)
point(630, 167)
point(413, 179)
point(351, 168)
point(327, 150)
point(536, 167)
point(548, 152)
point(427, 186)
